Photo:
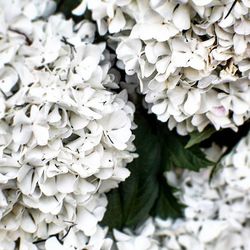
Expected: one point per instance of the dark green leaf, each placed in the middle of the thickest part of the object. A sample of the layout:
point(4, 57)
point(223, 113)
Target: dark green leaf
point(197, 137)
point(191, 158)
point(167, 204)
point(114, 219)
point(139, 192)
point(146, 191)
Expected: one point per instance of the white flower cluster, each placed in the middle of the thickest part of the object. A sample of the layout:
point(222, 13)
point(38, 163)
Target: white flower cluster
point(216, 216)
point(191, 56)
point(65, 131)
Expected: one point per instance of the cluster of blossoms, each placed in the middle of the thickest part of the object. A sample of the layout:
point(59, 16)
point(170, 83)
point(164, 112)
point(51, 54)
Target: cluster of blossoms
point(65, 130)
point(216, 213)
point(191, 57)
point(66, 125)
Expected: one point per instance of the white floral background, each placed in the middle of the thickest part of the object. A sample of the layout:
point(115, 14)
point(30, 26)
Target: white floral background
point(67, 119)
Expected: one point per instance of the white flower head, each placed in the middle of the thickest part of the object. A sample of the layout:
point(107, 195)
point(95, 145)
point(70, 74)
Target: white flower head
point(199, 43)
point(65, 134)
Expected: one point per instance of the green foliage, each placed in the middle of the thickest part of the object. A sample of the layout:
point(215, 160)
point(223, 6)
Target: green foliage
point(179, 156)
point(197, 137)
point(166, 204)
point(139, 192)
point(146, 191)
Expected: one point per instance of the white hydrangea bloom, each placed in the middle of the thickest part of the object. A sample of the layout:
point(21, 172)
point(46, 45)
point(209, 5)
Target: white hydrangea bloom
point(191, 57)
point(77, 240)
point(65, 130)
point(216, 216)
point(141, 239)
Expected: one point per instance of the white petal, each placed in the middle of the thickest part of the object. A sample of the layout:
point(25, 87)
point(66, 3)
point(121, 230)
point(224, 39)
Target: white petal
point(242, 27)
point(131, 66)
point(159, 108)
point(99, 212)
point(87, 67)
point(26, 245)
point(48, 187)
point(27, 179)
point(8, 78)
point(99, 241)
point(53, 244)
point(28, 223)
point(85, 187)
point(218, 121)
point(24, 74)
point(66, 183)
point(227, 22)
point(50, 204)
point(246, 3)
point(211, 230)
point(181, 17)
point(86, 221)
point(240, 44)
point(118, 138)
point(22, 134)
point(54, 116)
point(41, 134)
point(177, 95)
point(196, 62)
point(119, 236)
point(22, 24)
point(193, 101)
point(202, 2)
point(128, 48)
point(164, 32)
point(151, 53)
point(239, 106)
point(121, 174)
point(162, 64)
point(118, 22)
point(80, 9)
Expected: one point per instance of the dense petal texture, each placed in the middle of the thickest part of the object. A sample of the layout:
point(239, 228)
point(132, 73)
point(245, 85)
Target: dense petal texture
point(190, 46)
point(65, 129)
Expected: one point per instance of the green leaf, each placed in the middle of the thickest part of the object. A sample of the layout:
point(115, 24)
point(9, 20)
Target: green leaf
point(139, 192)
point(197, 137)
point(192, 158)
point(167, 204)
point(146, 191)
point(114, 219)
